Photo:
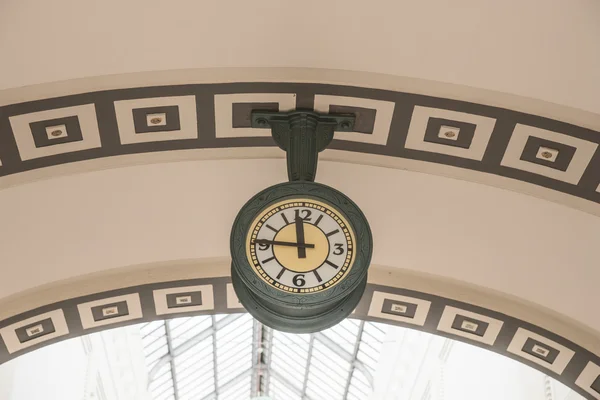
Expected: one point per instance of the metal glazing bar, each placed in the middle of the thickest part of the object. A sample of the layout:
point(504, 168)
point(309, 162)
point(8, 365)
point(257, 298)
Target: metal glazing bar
point(343, 353)
point(307, 370)
point(188, 344)
point(355, 357)
point(229, 384)
point(215, 363)
point(172, 360)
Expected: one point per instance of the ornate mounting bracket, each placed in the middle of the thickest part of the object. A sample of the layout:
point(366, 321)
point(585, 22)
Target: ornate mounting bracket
point(302, 134)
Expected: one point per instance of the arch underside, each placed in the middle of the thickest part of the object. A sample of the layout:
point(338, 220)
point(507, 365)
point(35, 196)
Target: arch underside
point(529, 146)
point(109, 147)
point(450, 309)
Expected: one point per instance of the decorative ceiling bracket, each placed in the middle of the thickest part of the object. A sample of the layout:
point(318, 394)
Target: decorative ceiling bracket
point(302, 135)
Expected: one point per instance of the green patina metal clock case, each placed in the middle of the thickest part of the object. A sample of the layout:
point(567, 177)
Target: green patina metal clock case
point(300, 250)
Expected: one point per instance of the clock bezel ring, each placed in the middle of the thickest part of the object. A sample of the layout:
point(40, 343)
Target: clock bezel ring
point(292, 324)
point(309, 190)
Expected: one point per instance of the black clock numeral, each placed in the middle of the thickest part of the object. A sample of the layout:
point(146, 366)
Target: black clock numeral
point(307, 214)
point(339, 249)
point(299, 280)
point(263, 246)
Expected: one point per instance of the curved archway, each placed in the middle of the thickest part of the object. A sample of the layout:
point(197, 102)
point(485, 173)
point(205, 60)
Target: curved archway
point(563, 349)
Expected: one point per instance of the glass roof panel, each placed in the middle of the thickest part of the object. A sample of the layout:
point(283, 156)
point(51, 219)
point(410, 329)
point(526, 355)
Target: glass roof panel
point(233, 357)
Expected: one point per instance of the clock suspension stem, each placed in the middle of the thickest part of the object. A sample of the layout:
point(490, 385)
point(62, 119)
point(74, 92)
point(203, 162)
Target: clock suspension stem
point(302, 135)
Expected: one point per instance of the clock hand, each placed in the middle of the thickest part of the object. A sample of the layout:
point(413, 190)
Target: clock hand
point(291, 244)
point(300, 237)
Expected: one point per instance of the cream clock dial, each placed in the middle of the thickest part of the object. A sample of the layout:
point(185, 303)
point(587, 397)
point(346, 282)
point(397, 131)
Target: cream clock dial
point(300, 253)
point(301, 246)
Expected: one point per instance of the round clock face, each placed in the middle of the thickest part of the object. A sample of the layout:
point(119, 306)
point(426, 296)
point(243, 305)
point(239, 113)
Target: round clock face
point(301, 246)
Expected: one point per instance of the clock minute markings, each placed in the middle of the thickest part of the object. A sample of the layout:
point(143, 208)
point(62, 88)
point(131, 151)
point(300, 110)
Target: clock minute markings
point(271, 228)
point(331, 233)
point(318, 220)
point(285, 219)
point(319, 279)
point(267, 260)
point(331, 264)
point(280, 274)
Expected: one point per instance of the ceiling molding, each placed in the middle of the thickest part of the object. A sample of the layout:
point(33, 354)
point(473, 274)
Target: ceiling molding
point(524, 332)
point(535, 154)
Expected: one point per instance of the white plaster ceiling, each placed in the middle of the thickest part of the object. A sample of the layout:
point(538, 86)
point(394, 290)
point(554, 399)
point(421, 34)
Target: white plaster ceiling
point(494, 238)
point(522, 246)
point(536, 48)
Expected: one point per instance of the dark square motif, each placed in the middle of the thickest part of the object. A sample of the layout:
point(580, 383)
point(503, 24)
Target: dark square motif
point(596, 384)
point(35, 330)
point(399, 308)
point(540, 350)
point(188, 299)
point(70, 133)
point(465, 134)
point(563, 159)
point(171, 116)
point(463, 324)
point(241, 113)
point(365, 117)
point(110, 310)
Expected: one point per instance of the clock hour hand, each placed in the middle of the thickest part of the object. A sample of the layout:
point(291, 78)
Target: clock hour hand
point(300, 237)
point(291, 244)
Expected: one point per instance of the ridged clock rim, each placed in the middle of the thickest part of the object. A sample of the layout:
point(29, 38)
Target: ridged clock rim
point(279, 192)
point(323, 320)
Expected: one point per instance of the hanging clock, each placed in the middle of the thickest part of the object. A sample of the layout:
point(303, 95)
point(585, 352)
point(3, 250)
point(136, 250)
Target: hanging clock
point(300, 254)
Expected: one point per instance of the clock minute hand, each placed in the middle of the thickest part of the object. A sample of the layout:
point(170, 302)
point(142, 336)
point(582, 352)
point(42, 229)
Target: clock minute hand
point(291, 244)
point(300, 237)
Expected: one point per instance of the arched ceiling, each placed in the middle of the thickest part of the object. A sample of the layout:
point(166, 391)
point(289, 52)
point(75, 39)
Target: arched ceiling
point(540, 49)
point(517, 77)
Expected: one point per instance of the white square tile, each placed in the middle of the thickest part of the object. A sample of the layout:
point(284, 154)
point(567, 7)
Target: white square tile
point(582, 157)
point(587, 378)
point(375, 309)
point(545, 153)
point(188, 121)
point(560, 363)
point(224, 112)
point(490, 335)
point(398, 308)
point(162, 308)
point(34, 330)
point(232, 299)
point(56, 132)
point(540, 350)
point(134, 307)
point(469, 326)
point(418, 126)
point(108, 311)
point(24, 138)
point(383, 117)
point(183, 300)
point(12, 342)
point(158, 119)
point(449, 132)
